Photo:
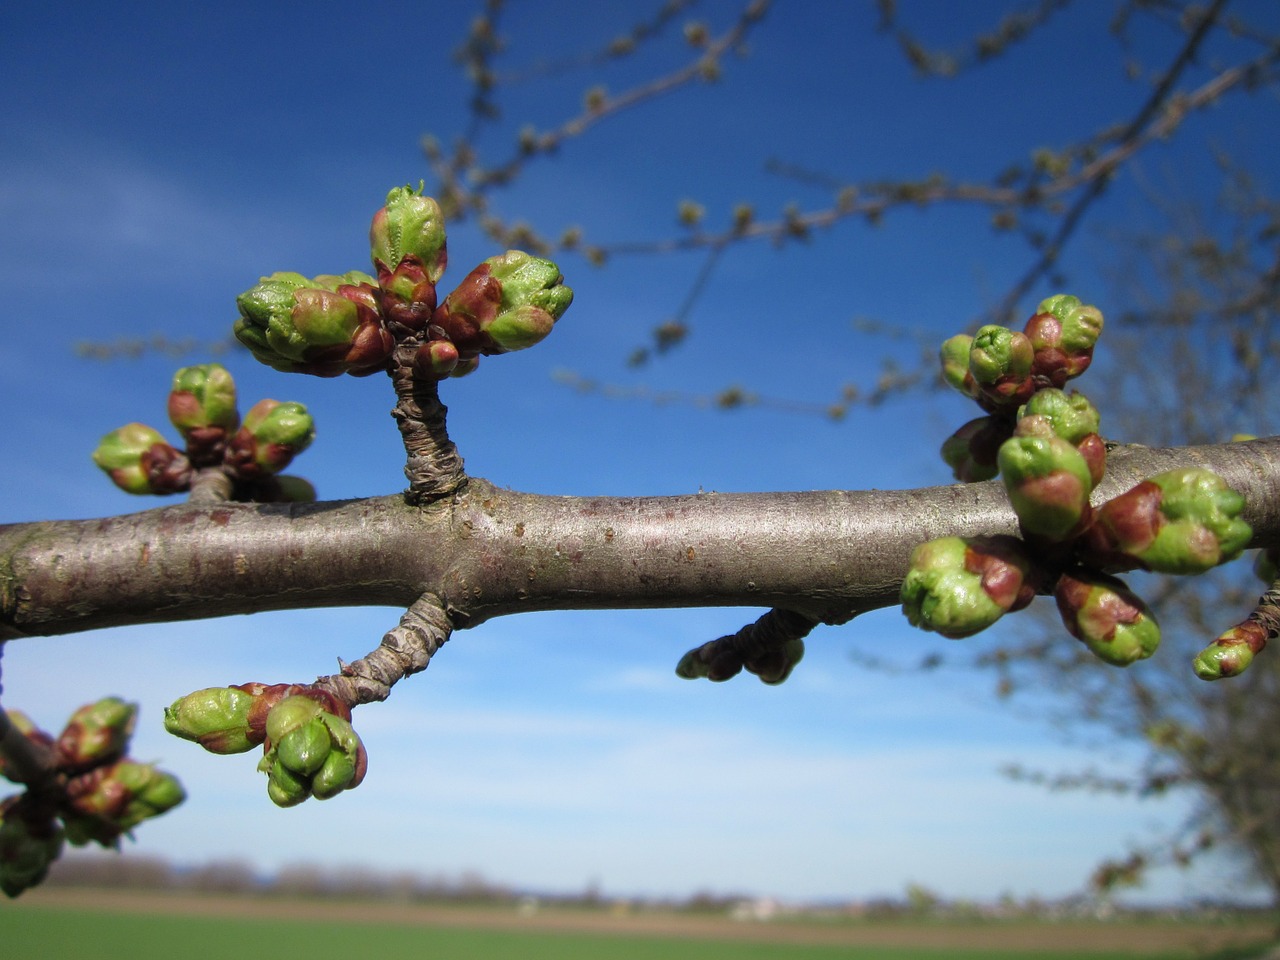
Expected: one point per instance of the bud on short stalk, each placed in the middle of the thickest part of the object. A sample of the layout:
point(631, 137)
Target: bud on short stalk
point(407, 241)
point(1182, 521)
point(138, 460)
point(1232, 652)
point(97, 734)
point(272, 435)
point(509, 302)
point(1108, 618)
point(1048, 480)
point(958, 587)
point(310, 752)
point(326, 326)
point(202, 405)
point(1063, 333)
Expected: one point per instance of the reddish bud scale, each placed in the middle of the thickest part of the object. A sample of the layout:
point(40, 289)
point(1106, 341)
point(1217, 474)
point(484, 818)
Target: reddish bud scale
point(1006, 393)
point(1053, 366)
point(370, 346)
point(1124, 524)
point(267, 696)
point(971, 451)
point(1094, 450)
point(1249, 636)
point(1003, 568)
point(407, 295)
point(167, 469)
point(474, 303)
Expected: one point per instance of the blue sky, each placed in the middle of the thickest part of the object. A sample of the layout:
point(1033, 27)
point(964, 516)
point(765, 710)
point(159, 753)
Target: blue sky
point(156, 163)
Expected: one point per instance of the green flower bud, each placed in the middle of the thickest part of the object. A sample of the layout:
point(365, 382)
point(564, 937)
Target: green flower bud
point(1181, 521)
point(96, 734)
point(202, 405)
point(151, 792)
point(217, 718)
point(1072, 416)
point(509, 302)
point(309, 746)
point(410, 226)
point(959, 587)
point(955, 363)
point(1101, 612)
point(29, 844)
point(1047, 479)
point(272, 435)
point(408, 243)
point(971, 451)
point(1231, 653)
point(138, 460)
point(1081, 324)
point(326, 326)
point(108, 802)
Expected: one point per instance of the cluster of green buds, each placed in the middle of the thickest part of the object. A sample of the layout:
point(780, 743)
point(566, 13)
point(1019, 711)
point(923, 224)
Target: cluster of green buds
point(309, 746)
point(1045, 445)
point(91, 792)
point(202, 406)
point(352, 323)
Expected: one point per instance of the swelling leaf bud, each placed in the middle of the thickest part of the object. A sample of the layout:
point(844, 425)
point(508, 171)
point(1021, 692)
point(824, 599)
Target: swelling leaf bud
point(1071, 415)
point(1182, 521)
point(202, 405)
point(1000, 362)
point(959, 587)
point(272, 435)
point(97, 733)
point(216, 718)
point(1102, 613)
point(1232, 652)
point(310, 751)
point(509, 302)
point(138, 460)
point(1047, 479)
point(407, 239)
point(326, 326)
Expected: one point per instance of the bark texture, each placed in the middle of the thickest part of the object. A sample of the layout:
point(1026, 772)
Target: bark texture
point(485, 552)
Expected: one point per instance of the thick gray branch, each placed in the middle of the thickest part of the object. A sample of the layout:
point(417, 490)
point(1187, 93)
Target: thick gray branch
point(488, 552)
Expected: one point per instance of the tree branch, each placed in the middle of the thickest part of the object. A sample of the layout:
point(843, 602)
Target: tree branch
point(487, 552)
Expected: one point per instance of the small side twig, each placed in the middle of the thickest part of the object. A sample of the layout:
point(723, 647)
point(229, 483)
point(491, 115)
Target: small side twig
point(433, 466)
point(405, 649)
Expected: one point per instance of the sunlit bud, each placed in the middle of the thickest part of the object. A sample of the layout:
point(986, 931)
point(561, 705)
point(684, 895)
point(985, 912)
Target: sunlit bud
point(1047, 479)
point(324, 326)
point(202, 405)
point(509, 302)
point(435, 360)
point(307, 743)
point(1000, 364)
point(1063, 332)
point(1232, 652)
point(216, 718)
point(1107, 617)
point(138, 460)
point(955, 363)
point(97, 733)
point(29, 843)
point(958, 587)
point(272, 435)
point(1181, 521)
point(409, 226)
point(1072, 415)
point(971, 451)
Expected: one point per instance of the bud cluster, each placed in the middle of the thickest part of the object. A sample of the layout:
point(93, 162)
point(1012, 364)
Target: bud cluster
point(1045, 446)
point(309, 745)
point(330, 325)
point(202, 406)
point(91, 792)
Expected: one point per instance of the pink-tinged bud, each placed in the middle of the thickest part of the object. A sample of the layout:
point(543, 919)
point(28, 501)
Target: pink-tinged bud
point(1231, 653)
point(407, 238)
point(958, 587)
point(435, 360)
point(1063, 333)
point(1000, 362)
point(97, 733)
point(202, 405)
point(955, 364)
point(1181, 521)
point(1048, 480)
point(272, 435)
point(138, 460)
point(1108, 618)
point(108, 802)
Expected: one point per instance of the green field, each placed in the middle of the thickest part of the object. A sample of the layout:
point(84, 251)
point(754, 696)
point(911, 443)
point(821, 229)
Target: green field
point(39, 930)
